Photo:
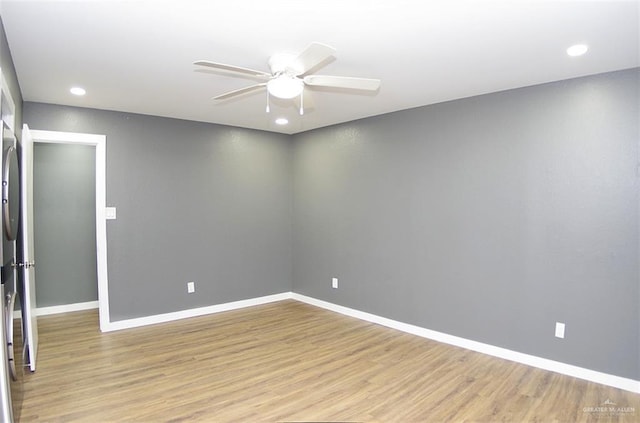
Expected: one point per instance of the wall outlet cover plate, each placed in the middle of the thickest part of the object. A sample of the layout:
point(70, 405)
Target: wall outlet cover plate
point(560, 330)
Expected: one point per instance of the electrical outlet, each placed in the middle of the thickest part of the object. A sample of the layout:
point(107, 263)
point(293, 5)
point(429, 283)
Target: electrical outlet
point(560, 330)
point(334, 283)
point(191, 287)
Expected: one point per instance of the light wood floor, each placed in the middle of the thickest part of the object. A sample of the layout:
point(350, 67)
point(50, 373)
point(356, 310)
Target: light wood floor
point(286, 362)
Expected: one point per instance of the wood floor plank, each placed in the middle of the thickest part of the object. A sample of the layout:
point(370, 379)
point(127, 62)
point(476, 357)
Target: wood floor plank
point(288, 362)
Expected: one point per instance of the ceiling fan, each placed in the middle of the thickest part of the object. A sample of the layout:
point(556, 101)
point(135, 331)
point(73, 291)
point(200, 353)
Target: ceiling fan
point(291, 74)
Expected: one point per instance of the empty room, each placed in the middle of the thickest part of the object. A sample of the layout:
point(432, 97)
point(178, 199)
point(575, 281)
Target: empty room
point(337, 211)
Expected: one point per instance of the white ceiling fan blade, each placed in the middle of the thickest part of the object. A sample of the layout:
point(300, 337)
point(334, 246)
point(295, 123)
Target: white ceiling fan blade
point(342, 82)
point(240, 91)
point(312, 56)
point(232, 68)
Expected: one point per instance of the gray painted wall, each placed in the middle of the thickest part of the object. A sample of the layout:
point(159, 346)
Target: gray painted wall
point(195, 202)
point(489, 218)
point(64, 193)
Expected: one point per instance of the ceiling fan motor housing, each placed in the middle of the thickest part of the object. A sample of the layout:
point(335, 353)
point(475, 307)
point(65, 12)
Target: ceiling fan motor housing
point(281, 63)
point(285, 83)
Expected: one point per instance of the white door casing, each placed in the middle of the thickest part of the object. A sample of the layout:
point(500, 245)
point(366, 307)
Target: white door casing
point(100, 144)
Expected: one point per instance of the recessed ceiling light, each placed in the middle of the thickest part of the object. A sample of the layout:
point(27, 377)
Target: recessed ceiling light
point(282, 121)
point(78, 91)
point(577, 50)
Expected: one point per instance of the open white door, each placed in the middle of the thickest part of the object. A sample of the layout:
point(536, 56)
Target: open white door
point(29, 323)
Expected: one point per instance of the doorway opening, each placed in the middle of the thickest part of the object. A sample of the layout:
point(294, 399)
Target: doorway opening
point(64, 221)
point(99, 142)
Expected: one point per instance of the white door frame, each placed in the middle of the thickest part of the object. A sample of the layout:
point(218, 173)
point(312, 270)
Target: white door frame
point(100, 143)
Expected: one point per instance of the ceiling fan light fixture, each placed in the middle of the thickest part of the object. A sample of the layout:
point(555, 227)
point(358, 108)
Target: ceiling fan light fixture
point(290, 74)
point(285, 86)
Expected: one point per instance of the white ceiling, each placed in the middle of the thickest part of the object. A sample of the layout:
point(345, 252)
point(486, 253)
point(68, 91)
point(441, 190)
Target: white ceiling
point(137, 56)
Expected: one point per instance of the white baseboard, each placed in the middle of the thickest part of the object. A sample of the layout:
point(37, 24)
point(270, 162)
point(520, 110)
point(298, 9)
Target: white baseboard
point(194, 312)
point(530, 360)
point(518, 357)
point(64, 308)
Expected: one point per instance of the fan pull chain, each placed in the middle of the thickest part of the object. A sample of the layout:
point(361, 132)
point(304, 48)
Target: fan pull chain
point(268, 110)
point(302, 102)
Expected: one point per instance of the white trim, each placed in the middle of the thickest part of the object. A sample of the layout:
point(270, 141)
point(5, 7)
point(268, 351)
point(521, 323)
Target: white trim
point(5, 94)
point(59, 309)
point(66, 308)
point(100, 142)
point(194, 312)
point(530, 360)
point(56, 137)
